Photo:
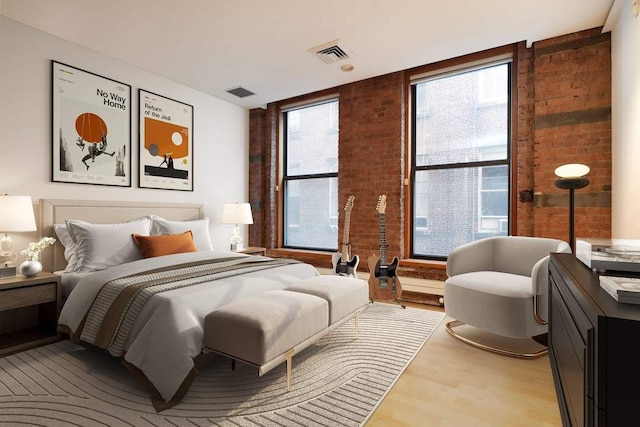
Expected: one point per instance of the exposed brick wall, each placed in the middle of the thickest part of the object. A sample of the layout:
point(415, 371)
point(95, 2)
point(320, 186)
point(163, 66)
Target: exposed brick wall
point(563, 116)
point(572, 79)
point(371, 153)
point(263, 160)
point(270, 212)
point(525, 139)
point(257, 165)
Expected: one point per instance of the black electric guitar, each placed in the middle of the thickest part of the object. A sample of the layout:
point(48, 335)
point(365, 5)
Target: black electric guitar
point(343, 263)
point(383, 282)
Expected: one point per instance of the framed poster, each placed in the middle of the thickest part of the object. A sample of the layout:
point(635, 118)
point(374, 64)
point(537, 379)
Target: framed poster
point(91, 128)
point(166, 143)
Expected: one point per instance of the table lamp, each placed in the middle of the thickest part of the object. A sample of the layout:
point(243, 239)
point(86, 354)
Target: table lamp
point(16, 215)
point(236, 213)
point(572, 178)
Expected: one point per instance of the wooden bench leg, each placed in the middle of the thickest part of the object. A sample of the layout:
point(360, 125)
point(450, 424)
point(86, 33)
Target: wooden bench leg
point(288, 356)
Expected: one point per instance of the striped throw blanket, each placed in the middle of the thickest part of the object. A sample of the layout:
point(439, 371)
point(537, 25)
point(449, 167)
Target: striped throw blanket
point(113, 313)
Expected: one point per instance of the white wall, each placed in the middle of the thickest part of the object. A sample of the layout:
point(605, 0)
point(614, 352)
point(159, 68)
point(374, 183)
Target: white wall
point(221, 130)
point(625, 107)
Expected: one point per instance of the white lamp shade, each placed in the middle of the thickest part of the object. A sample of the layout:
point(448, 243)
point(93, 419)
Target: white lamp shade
point(16, 214)
point(572, 170)
point(236, 213)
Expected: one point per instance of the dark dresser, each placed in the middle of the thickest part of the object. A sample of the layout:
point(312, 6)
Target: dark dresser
point(594, 348)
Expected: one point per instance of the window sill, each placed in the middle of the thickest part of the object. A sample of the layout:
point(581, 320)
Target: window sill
point(423, 263)
point(320, 258)
point(303, 255)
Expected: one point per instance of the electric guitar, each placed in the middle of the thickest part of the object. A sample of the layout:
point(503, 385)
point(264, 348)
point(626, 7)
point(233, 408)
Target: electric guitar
point(383, 282)
point(343, 264)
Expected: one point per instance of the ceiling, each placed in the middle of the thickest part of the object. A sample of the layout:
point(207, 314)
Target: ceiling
point(263, 45)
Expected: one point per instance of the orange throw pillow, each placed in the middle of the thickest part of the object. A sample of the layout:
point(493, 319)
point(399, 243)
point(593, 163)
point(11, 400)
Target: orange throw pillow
point(166, 244)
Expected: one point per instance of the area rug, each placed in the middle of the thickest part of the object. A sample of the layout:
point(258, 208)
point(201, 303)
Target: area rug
point(338, 381)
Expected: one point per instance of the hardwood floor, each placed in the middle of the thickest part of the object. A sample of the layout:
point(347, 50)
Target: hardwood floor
point(450, 383)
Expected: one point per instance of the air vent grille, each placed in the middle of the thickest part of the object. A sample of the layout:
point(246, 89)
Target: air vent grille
point(240, 92)
point(331, 52)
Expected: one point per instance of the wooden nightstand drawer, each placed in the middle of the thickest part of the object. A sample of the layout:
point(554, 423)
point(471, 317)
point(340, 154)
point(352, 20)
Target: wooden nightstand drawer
point(26, 296)
point(29, 308)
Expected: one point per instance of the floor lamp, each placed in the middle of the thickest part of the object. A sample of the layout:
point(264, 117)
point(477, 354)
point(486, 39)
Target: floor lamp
point(572, 177)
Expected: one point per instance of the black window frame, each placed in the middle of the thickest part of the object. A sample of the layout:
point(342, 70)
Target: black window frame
point(286, 178)
point(503, 162)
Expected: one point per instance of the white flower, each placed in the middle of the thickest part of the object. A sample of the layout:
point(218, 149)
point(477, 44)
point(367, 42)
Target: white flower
point(33, 249)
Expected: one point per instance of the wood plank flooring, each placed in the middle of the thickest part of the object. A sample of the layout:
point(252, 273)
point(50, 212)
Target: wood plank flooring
point(450, 383)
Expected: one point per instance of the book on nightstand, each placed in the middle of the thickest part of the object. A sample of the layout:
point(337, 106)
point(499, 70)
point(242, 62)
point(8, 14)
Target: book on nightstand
point(622, 289)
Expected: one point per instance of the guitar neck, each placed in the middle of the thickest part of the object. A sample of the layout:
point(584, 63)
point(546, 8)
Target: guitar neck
point(345, 237)
point(383, 240)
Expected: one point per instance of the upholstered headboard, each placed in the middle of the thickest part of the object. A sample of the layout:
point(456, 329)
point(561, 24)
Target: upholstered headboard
point(54, 211)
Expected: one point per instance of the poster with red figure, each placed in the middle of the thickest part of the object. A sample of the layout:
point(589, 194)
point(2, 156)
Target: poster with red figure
point(166, 143)
point(91, 128)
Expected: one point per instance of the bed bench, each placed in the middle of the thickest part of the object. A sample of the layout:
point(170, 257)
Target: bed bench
point(267, 329)
point(345, 295)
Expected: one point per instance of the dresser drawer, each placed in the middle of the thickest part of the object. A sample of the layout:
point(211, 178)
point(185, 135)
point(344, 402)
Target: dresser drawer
point(27, 296)
point(568, 352)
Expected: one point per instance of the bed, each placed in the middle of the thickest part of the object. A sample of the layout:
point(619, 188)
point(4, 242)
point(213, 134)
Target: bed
point(162, 341)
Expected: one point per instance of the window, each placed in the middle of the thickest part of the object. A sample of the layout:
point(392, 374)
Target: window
point(311, 176)
point(460, 158)
point(491, 85)
point(494, 199)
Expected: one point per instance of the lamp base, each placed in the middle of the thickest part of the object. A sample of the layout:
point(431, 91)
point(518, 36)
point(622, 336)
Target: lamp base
point(7, 271)
point(236, 247)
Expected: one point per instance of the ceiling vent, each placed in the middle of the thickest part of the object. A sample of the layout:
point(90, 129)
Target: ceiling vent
point(240, 92)
point(330, 52)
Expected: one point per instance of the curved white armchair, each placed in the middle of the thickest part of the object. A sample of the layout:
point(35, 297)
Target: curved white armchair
point(500, 284)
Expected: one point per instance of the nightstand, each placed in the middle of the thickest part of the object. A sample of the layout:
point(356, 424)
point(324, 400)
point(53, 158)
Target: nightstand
point(29, 309)
point(254, 250)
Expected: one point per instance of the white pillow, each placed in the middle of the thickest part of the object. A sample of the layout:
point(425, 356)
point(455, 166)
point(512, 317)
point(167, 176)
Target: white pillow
point(69, 246)
point(198, 227)
point(101, 246)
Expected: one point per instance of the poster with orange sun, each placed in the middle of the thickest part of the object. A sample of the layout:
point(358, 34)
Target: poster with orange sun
point(166, 143)
point(91, 134)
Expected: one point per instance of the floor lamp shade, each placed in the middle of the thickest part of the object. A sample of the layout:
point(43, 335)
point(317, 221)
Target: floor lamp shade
point(572, 178)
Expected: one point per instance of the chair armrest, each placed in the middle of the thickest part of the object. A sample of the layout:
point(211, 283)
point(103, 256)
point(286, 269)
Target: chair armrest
point(473, 256)
point(540, 285)
point(540, 277)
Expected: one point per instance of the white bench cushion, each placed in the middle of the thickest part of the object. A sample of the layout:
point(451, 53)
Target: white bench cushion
point(262, 327)
point(344, 294)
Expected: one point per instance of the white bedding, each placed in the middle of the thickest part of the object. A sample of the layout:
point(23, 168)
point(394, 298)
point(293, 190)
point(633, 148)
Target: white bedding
point(69, 281)
point(168, 332)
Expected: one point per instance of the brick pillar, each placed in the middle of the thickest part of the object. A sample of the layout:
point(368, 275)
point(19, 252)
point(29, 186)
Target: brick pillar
point(371, 158)
point(525, 139)
point(257, 231)
point(270, 177)
point(572, 77)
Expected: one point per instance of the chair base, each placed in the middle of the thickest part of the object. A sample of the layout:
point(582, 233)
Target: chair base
point(521, 355)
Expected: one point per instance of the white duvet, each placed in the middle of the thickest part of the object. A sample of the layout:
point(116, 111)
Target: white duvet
point(168, 332)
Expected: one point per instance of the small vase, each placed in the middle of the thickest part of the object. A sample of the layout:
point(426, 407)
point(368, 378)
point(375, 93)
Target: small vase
point(30, 268)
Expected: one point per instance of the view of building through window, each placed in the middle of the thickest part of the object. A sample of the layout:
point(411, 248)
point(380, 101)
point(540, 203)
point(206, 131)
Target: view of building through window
point(311, 176)
point(460, 124)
